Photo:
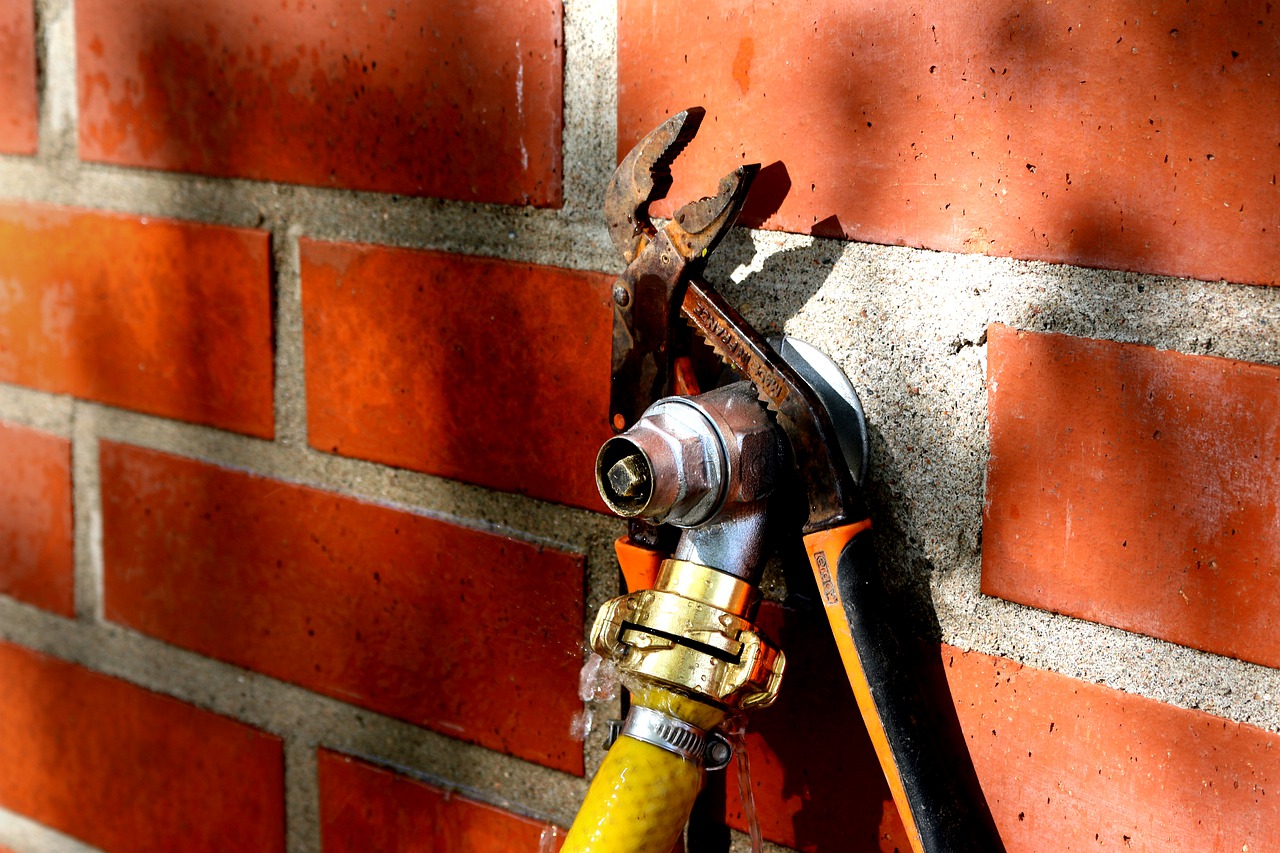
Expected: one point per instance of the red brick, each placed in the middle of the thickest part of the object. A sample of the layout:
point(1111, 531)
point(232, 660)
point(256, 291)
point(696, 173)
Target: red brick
point(167, 318)
point(480, 370)
point(36, 547)
point(465, 632)
point(125, 769)
point(460, 101)
point(18, 106)
point(366, 807)
point(815, 779)
point(1115, 136)
point(1078, 766)
point(1136, 488)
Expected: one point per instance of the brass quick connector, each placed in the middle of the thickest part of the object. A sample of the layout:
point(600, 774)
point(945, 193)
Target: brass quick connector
point(693, 632)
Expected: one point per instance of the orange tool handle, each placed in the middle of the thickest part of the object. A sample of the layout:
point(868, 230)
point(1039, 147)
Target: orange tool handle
point(937, 803)
point(640, 565)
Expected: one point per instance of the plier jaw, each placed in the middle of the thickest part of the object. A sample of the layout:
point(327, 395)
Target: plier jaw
point(643, 177)
point(647, 296)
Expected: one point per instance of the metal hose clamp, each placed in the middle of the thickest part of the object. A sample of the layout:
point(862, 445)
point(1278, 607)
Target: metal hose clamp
point(709, 749)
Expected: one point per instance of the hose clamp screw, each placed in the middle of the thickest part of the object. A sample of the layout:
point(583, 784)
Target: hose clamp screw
point(711, 750)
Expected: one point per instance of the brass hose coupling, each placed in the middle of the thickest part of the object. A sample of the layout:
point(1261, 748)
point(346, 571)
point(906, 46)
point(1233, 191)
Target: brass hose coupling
point(694, 633)
point(707, 465)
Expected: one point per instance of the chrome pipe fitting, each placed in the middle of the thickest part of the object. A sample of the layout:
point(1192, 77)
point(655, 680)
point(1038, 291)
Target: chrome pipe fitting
point(689, 457)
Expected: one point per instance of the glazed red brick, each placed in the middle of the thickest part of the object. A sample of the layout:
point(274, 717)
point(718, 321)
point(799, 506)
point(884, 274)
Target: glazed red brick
point(125, 769)
point(1126, 136)
point(814, 775)
point(18, 106)
point(167, 318)
point(465, 632)
point(366, 807)
point(36, 547)
point(1136, 488)
point(486, 371)
point(460, 101)
point(1087, 767)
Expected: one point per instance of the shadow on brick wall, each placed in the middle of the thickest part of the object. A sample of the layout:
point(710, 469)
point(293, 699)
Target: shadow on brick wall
point(434, 100)
point(810, 753)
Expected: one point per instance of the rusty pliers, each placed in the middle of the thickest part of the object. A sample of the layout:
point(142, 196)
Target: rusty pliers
point(939, 807)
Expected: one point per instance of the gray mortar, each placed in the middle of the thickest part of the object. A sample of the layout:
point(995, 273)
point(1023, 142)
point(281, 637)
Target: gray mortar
point(87, 508)
point(590, 104)
point(536, 236)
point(46, 412)
point(741, 843)
point(56, 62)
point(302, 796)
point(19, 833)
point(290, 392)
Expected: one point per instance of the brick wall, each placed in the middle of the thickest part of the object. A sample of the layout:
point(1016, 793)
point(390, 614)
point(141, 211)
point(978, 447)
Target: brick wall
point(304, 361)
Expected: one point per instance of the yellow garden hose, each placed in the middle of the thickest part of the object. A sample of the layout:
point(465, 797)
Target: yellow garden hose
point(641, 797)
point(689, 636)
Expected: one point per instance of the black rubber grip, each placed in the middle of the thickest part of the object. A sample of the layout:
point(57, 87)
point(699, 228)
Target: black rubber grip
point(915, 710)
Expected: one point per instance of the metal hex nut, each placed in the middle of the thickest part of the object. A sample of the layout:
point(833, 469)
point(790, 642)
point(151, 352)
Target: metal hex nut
point(668, 467)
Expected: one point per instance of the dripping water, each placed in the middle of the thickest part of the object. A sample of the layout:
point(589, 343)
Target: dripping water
point(552, 835)
point(736, 731)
